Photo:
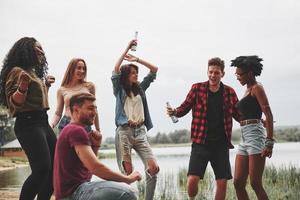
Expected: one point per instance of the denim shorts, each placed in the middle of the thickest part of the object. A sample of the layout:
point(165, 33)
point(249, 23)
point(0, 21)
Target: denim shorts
point(108, 190)
point(253, 139)
point(65, 120)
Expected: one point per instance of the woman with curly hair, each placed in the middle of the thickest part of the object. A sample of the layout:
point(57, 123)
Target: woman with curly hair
point(74, 82)
point(24, 90)
point(255, 146)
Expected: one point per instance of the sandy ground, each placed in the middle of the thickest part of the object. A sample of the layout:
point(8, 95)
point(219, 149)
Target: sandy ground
point(9, 195)
point(12, 167)
point(12, 195)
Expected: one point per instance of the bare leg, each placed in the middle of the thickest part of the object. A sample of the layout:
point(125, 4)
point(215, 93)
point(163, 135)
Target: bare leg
point(221, 189)
point(192, 185)
point(256, 169)
point(241, 172)
point(127, 167)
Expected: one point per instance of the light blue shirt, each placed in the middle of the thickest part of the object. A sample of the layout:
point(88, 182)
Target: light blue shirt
point(120, 94)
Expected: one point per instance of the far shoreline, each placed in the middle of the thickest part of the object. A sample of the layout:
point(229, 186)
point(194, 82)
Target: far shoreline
point(3, 169)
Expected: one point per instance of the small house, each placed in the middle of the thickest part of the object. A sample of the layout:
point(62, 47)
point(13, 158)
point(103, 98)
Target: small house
point(12, 149)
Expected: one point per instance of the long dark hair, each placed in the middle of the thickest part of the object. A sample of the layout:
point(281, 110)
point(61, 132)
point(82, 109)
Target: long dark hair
point(22, 55)
point(125, 71)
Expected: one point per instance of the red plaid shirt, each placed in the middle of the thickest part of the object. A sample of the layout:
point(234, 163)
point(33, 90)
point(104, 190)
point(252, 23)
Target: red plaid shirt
point(197, 101)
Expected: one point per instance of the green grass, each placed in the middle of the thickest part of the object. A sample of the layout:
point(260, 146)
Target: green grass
point(280, 184)
point(106, 155)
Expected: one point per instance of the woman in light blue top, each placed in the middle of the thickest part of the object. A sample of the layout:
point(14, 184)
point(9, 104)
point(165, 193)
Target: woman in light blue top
point(132, 116)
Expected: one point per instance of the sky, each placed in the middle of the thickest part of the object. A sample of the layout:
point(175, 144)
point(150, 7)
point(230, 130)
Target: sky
point(178, 36)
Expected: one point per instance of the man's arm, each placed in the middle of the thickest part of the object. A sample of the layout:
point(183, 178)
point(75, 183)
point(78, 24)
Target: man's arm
point(188, 103)
point(91, 162)
point(235, 114)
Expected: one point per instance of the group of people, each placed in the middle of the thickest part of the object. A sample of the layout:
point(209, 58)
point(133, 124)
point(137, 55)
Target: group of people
point(66, 165)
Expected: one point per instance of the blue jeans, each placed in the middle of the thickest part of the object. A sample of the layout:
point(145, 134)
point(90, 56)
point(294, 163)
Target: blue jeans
point(106, 190)
point(128, 138)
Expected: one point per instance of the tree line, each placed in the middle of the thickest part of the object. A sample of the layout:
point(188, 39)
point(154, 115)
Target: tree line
point(6, 127)
point(281, 134)
point(285, 134)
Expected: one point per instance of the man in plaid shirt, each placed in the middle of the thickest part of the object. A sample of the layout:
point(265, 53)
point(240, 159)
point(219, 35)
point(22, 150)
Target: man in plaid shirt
point(213, 106)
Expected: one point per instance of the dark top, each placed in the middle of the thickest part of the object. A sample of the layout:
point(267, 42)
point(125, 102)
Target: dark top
point(215, 116)
point(69, 172)
point(37, 94)
point(249, 108)
point(197, 100)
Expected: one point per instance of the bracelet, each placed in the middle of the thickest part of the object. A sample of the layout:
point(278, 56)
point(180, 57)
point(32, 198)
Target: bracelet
point(269, 142)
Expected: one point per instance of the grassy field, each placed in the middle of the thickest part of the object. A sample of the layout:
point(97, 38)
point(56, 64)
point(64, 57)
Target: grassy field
point(280, 184)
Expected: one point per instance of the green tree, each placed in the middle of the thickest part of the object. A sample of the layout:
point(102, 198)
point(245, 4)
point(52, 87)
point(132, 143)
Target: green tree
point(180, 136)
point(6, 129)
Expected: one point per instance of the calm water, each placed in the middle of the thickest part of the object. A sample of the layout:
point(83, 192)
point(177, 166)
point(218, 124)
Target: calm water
point(170, 160)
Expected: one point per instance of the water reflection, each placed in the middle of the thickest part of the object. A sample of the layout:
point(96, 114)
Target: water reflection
point(170, 160)
point(13, 179)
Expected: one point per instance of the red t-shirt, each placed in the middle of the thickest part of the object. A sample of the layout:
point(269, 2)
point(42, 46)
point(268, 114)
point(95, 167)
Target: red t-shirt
point(69, 172)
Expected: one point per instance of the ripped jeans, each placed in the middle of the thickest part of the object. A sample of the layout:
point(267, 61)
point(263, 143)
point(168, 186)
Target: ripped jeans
point(128, 138)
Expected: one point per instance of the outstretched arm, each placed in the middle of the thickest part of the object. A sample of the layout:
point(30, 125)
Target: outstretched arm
point(186, 106)
point(92, 163)
point(133, 58)
point(120, 60)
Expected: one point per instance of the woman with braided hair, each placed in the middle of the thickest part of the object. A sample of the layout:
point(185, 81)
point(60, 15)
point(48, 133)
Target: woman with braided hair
point(255, 146)
point(24, 91)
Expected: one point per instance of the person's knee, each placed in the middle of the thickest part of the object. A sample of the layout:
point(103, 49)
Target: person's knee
point(130, 195)
point(152, 168)
point(255, 184)
point(239, 184)
point(192, 185)
point(127, 167)
point(222, 184)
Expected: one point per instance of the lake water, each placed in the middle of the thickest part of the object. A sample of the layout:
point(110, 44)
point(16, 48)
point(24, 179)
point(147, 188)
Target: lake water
point(170, 160)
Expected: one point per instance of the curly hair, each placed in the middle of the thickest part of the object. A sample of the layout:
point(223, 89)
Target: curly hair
point(22, 55)
point(125, 71)
point(248, 63)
